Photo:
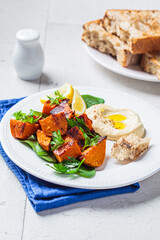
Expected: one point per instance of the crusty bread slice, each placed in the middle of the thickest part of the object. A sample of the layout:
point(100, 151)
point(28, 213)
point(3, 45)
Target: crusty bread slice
point(139, 29)
point(97, 37)
point(150, 63)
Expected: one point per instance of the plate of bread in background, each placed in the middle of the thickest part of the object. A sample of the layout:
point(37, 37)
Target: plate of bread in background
point(126, 42)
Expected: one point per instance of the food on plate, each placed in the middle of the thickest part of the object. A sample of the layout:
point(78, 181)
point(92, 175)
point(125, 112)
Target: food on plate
point(132, 36)
point(68, 149)
point(114, 123)
point(63, 107)
point(66, 90)
point(68, 141)
point(97, 37)
point(94, 156)
point(22, 130)
point(140, 29)
point(75, 134)
point(78, 103)
point(129, 147)
point(54, 122)
point(43, 140)
point(71, 134)
point(151, 63)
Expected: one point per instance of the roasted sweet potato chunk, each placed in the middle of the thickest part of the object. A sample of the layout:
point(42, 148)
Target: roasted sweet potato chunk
point(22, 130)
point(47, 107)
point(87, 121)
point(95, 155)
point(54, 122)
point(68, 149)
point(77, 135)
point(63, 107)
point(43, 140)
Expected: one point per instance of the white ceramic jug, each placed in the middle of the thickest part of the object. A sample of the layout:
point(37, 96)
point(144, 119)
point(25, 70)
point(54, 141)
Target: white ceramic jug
point(28, 57)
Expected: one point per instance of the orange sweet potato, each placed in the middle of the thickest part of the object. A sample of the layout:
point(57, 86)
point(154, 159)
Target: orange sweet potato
point(63, 107)
point(68, 149)
point(43, 140)
point(95, 155)
point(54, 122)
point(87, 121)
point(22, 130)
point(77, 135)
point(47, 108)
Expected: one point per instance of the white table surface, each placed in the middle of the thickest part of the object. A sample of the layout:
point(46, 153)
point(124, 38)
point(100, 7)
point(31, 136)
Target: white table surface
point(129, 216)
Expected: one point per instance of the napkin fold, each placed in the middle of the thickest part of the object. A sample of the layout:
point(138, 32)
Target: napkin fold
point(44, 195)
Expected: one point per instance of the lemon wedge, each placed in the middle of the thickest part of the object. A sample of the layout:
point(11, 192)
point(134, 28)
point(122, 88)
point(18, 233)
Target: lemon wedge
point(66, 90)
point(78, 104)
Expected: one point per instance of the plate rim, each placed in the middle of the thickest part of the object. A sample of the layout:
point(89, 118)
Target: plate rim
point(118, 71)
point(72, 183)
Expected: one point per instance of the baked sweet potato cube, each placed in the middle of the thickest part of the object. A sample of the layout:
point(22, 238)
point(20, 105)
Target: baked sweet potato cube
point(87, 121)
point(54, 123)
point(77, 135)
point(94, 156)
point(47, 107)
point(22, 130)
point(68, 149)
point(63, 107)
point(43, 140)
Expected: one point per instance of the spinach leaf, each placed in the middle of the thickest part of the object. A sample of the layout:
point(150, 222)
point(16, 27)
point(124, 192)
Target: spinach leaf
point(33, 143)
point(87, 172)
point(70, 166)
point(91, 100)
point(73, 166)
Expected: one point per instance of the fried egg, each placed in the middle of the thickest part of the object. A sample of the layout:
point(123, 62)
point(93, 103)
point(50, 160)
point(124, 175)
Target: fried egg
point(114, 123)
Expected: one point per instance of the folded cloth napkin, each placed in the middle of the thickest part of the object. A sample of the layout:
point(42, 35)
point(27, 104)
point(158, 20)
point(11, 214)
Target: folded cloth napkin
point(44, 195)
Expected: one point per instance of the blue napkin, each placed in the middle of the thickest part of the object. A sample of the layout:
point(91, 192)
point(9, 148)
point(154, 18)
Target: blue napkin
point(44, 195)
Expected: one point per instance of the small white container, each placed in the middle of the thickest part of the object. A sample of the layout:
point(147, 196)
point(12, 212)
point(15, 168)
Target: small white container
point(28, 57)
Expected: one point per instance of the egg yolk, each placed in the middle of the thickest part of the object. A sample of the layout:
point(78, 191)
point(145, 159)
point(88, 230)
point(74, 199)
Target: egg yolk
point(117, 118)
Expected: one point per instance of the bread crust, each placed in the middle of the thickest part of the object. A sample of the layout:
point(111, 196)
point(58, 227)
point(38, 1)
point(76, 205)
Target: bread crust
point(140, 29)
point(97, 37)
point(150, 63)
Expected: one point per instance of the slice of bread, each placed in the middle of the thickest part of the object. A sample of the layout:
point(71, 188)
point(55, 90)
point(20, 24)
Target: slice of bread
point(97, 37)
point(150, 63)
point(139, 29)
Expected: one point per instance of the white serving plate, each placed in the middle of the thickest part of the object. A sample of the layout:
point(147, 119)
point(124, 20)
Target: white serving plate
point(110, 63)
point(113, 174)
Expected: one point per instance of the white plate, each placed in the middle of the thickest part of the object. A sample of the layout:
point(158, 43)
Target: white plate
point(114, 174)
point(111, 64)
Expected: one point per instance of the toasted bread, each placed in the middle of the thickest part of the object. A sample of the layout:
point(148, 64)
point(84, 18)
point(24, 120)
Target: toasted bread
point(129, 147)
point(140, 30)
point(150, 63)
point(97, 37)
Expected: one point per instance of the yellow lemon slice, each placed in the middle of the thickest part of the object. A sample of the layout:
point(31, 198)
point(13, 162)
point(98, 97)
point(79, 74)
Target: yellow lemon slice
point(78, 104)
point(66, 90)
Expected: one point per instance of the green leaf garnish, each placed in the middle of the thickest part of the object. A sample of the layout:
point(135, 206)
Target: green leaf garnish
point(57, 140)
point(88, 142)
point(56, 100)
point(73, 166)
point(79, 122)
point(33, 143)
point(30, 117)
point(91, 100)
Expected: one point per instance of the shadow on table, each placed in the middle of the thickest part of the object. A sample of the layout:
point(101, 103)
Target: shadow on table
point(149, 190)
